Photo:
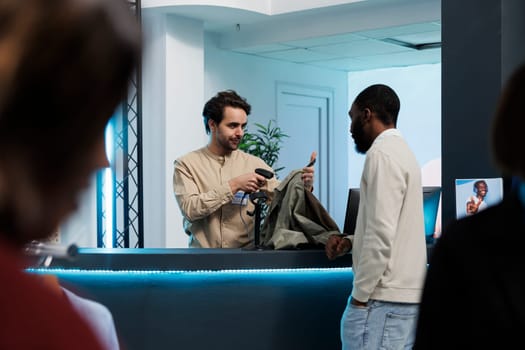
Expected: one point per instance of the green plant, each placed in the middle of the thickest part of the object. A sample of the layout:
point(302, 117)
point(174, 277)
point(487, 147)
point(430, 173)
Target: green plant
point(265, 143)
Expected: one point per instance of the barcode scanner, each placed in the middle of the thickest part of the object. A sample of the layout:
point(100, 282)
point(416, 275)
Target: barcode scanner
point(260, 195)
point(258, 198)
point(263, 172)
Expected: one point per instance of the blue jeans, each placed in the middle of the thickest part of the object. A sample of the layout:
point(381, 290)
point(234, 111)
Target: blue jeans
point(379, 325)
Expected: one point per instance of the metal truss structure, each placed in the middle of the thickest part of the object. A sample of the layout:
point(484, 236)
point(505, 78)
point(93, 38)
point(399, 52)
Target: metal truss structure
point(119, 190)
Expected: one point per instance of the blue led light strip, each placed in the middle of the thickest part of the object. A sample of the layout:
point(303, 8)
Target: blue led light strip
point(167, 272)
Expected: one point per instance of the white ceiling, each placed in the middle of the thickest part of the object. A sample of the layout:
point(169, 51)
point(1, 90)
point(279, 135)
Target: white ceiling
point(355, 36)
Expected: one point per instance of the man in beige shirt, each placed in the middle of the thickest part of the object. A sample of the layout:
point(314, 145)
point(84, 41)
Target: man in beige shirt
point(212, 184)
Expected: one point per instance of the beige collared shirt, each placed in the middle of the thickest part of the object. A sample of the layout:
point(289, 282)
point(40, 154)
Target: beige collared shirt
point(200, 183)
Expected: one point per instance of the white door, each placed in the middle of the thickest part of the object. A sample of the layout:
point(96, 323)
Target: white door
point(302, 113)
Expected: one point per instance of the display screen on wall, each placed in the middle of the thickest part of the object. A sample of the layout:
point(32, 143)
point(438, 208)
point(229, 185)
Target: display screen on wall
point(474, 195)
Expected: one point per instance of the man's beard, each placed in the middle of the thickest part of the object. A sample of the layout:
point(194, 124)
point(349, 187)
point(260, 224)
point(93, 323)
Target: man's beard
point(361, 145)
point(229, 145)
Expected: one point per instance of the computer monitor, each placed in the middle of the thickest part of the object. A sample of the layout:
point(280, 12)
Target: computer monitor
point(352, 205)
point(431, 197)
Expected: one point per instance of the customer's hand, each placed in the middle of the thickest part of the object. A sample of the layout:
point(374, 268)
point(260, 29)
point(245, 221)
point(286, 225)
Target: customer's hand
point(358, 303)
point(337, 246)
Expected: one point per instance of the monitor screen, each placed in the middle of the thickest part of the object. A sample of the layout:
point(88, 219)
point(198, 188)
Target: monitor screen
point(351, 211)
point(431, 198)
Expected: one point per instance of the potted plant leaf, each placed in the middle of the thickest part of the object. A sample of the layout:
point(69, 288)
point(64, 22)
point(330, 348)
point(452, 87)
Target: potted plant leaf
point(265, 143)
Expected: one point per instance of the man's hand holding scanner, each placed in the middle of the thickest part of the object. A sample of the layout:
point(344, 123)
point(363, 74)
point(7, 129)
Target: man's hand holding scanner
point(337, 246)
point(248, 183)
point(308, 172)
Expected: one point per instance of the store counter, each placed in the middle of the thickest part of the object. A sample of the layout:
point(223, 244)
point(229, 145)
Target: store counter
point(214, 298)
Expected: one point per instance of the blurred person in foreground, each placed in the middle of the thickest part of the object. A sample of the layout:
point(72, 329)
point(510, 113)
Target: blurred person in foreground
point(388, 246)
point(64, 67)
point(474, 293)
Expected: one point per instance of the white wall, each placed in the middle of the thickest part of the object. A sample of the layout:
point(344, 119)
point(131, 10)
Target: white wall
point(173, 80)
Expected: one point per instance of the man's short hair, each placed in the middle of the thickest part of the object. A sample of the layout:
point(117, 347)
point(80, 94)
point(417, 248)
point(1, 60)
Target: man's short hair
point(214, 108)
